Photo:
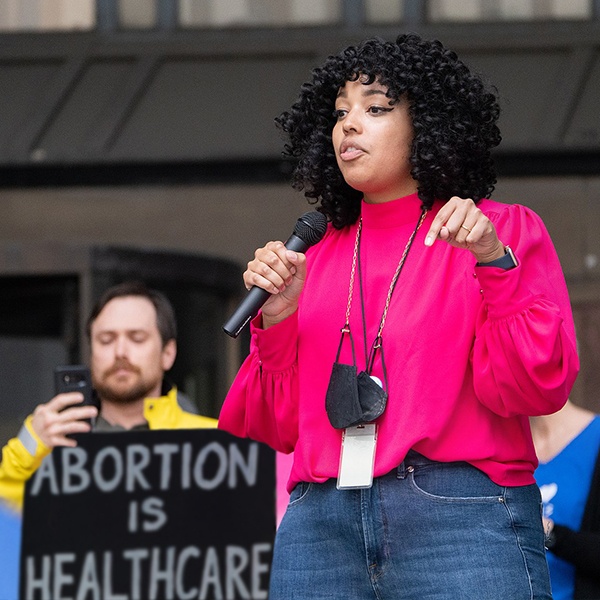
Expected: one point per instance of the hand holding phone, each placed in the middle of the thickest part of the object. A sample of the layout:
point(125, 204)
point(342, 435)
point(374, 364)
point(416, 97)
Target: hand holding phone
point(67, 413)
point(75, 378)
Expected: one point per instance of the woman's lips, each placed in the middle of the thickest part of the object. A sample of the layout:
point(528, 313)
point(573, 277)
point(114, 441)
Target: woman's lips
point(350, 151)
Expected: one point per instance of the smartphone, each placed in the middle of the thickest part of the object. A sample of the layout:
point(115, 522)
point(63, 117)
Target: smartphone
point(75, 378)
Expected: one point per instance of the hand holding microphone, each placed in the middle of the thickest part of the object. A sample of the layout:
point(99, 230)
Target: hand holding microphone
point(273, 272)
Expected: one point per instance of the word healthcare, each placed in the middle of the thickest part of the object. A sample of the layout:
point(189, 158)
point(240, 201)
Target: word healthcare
point(150, 515)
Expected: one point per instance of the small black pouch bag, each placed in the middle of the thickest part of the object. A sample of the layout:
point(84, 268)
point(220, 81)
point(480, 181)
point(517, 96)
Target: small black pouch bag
point(352, 399)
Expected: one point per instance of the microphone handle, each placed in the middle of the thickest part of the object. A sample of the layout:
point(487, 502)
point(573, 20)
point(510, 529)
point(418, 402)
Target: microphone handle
point(256, 296)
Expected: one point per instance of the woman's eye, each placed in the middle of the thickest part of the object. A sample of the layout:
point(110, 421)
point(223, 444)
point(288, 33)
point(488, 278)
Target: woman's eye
point(377, 110)
point(339, 113)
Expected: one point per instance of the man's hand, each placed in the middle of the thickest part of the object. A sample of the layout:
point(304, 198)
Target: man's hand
point(53, 421)
point(461, 224)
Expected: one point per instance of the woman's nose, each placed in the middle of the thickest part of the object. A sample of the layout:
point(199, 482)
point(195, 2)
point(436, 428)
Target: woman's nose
point(351, 122)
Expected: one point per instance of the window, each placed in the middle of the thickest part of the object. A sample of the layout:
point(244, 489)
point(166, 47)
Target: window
point(508, 10)
point(216, 13)
point(47, 15)
point(384, 11)
point(69, 15)
point(136, 14)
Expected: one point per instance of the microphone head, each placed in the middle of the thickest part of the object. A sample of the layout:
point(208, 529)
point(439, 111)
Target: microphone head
point(311, 227)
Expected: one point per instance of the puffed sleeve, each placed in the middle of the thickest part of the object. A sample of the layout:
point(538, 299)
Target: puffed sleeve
point(262, 403)
point(524, 357)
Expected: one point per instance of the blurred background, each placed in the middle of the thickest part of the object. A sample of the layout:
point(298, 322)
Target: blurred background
point(137, 141)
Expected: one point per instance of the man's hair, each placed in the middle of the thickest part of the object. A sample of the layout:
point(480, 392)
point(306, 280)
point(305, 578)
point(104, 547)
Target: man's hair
point(165, 315)
point(453, 114)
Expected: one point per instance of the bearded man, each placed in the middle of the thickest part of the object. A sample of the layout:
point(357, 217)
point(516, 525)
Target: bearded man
point(132, 333)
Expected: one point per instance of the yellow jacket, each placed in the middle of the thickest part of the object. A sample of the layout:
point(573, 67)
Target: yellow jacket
point(23, 454)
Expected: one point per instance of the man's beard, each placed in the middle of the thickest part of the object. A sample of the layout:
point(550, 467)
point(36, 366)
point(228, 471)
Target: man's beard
point(138, 391)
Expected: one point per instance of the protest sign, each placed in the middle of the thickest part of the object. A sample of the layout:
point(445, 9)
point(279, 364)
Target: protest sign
point(150, 515)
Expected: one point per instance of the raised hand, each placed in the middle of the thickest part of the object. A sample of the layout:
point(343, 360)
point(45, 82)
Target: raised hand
point(282, 273)
point(53, 421)
point(461, 224)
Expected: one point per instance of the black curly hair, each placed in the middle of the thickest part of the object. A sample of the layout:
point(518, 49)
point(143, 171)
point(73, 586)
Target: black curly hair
point(453, 114)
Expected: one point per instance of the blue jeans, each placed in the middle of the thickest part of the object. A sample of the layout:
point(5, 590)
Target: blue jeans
point(425, 531)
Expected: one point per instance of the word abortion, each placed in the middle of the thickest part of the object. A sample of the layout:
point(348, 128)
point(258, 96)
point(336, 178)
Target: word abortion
point(181, 467)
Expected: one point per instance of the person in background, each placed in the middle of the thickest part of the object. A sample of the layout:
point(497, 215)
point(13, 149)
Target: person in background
point(10, 544)
point(132, 333)
point(567, 444)
point(401, 356)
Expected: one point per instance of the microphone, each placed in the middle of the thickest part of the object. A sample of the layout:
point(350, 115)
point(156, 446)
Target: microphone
point(310, 229)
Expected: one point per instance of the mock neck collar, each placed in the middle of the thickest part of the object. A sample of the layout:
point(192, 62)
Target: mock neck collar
point(393, 213)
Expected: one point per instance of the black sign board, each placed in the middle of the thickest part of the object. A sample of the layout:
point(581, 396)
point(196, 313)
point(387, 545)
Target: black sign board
point(150, 515)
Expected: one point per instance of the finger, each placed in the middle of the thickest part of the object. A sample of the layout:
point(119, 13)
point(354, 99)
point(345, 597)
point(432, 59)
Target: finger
point(457, 218)
point(261, 275)
point(63, 439)
point(58, 411)
point(281, 260)
point(460, 229)
point(256, 280)
point(69, 425)
point(447, 223)
point(62, 401)
point(77, 426)
point(78, 413)
point(438, 227)
point(57, 434)
point(297, 262)
point(434, 230)
point(270, 269)
point(298, 267)
point(474, 228)
point(470, 231)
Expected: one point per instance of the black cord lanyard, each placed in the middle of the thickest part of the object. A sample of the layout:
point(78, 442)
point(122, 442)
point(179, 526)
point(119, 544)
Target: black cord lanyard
point(377, 344)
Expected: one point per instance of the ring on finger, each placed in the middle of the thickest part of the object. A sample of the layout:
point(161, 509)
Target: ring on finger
point(463, 227)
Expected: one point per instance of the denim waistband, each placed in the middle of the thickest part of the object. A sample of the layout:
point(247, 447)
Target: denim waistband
point(414, 460)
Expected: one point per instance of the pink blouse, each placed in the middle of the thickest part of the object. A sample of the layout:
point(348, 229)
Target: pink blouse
point(470, 351)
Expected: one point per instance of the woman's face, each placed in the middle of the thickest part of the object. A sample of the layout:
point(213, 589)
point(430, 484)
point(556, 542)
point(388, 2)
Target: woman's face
point(372, 140)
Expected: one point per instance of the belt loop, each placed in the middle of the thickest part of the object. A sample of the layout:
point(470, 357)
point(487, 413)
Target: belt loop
point(401, 472)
